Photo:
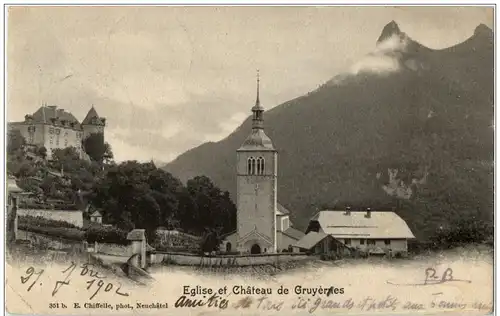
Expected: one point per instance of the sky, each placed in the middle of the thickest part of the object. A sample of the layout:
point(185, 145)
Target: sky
point(168, 79)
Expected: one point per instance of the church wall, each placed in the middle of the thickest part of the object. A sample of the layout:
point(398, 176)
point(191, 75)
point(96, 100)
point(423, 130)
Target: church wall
point(256, 210)
point(270, 166)
point(256, 197)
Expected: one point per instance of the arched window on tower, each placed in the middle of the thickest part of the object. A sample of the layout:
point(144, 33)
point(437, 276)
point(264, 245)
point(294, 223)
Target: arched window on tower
point(251, 166)
point(260, 166)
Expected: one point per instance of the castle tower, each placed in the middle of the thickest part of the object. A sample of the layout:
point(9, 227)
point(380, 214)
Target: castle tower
point(256, 197)
point(92, 123)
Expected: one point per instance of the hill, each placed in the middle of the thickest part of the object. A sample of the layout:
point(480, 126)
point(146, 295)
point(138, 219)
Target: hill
point(408, 128)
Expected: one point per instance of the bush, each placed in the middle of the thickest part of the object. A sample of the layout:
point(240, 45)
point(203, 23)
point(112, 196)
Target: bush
point(55, 206)
point(39, 221)
point(63, 232)
point(99, 233)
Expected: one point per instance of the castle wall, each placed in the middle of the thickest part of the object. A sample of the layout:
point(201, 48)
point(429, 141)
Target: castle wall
point(59, 137)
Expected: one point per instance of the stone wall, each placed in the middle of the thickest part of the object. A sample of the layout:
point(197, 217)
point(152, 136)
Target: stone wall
point(68, 216)
point(51, 242)
point(235, 260)
point(113, 249)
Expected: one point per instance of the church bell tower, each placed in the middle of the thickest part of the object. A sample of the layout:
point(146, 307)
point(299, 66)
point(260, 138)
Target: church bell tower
point(256, 200)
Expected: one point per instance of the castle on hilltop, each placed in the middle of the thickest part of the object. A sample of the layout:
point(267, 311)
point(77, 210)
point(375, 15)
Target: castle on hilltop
point(56, 128)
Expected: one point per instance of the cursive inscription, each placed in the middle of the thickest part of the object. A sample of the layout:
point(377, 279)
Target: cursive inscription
point(29, 273)
point(432, 277)
point(95, 283)
point(68, 271)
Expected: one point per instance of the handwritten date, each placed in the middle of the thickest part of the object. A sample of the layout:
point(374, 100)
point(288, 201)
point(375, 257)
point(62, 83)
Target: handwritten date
point(85, 270)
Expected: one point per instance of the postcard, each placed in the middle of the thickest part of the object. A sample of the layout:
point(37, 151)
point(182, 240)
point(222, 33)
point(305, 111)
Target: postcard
point(222, 160)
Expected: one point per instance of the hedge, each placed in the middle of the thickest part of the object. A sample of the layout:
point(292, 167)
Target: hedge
point(63, 232)
point(93, 233)
point(55, 206)
point(103, 234)
point(39, 221)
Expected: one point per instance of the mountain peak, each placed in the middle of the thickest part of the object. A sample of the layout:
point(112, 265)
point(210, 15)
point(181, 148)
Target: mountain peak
point(482, 29)
point(389, 30)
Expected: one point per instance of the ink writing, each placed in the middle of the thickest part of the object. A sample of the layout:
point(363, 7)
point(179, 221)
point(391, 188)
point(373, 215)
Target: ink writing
point(109, 286)
point(29, 273)
point(66, 280)
point(432, 277)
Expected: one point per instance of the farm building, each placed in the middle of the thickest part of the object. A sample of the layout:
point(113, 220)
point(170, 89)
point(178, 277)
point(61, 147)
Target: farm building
point(368, 231)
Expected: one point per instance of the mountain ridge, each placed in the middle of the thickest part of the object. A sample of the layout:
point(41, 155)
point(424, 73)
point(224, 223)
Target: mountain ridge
point(407, 108)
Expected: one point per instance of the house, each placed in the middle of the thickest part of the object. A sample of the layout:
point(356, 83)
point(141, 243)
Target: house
point(96, 217)
point(368, 231)
point(318, 243)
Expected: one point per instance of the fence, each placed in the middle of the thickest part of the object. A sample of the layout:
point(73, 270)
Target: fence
point(228, 260)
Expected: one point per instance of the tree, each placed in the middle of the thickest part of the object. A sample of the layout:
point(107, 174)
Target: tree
point(210, 242)
point(137, 194)
point(214, 209)
point(42, 152)
point(96, 148)
point(15, 141)
point(108, 154)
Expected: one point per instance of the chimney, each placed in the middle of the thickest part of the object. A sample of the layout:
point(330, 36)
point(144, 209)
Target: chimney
point(368, 213)
point(347, 210)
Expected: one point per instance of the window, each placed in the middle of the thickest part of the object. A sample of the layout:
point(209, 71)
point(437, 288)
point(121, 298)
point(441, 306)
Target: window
point(31, 138)
point(361, 241)
point(57, 140)
point(347, 241)
point(251, 166)
point(260, 166)
point(58, 131)
point(387, 242)
point(371, 242)
point(285, 223)
point(65, 143)
point(51, 139)
point(51, 130)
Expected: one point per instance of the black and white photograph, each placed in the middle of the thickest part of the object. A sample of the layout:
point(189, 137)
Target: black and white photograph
point(249, 159)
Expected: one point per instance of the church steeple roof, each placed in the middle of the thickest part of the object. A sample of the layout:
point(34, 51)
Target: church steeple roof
point(257, 140)
point(257, 106)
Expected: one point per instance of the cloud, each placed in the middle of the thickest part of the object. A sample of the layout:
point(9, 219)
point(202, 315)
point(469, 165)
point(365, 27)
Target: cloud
point(384, 59)
point(170, 78)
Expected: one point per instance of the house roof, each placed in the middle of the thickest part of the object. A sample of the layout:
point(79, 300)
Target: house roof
point(45, 113)
point(137, 234)
point(257, 140)
point(12, 186)
point(96, 214)
point(90, 115)
point(294, 233)
point(310, 240)
point(380, 225)
point(281, 210)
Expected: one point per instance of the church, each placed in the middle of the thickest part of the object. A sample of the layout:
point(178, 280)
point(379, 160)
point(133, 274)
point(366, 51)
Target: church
point(263, 225)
